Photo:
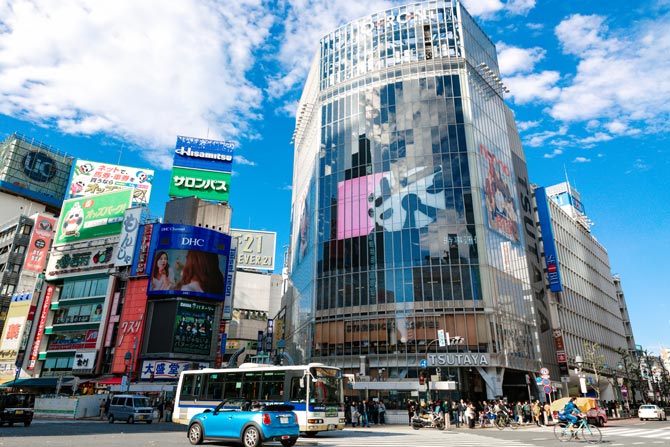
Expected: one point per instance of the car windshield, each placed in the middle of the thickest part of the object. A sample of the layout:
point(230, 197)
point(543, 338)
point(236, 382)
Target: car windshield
point(647, 407)
point(141, 402)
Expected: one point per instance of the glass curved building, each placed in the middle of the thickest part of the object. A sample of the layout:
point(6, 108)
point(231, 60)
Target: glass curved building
point(406, 221)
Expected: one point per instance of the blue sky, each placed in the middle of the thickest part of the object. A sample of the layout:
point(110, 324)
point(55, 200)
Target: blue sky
point(118, 81)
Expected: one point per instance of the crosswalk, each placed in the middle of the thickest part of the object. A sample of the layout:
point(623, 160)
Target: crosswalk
point(423, 438)
point(639, 432)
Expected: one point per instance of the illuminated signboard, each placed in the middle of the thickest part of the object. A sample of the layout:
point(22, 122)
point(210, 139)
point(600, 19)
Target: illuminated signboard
point(90, 178)
point(207, 155)
point(92, 217)
point(206, 185)
point(189, 261)
point(194, 324)
point(550, 254)
point(39, 245)
point(255, 249)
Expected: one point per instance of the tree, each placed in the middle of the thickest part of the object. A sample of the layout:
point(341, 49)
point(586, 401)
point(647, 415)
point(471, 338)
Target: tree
point(595, 361)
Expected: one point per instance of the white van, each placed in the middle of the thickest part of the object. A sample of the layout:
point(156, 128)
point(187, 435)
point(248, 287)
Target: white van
point(130, 408)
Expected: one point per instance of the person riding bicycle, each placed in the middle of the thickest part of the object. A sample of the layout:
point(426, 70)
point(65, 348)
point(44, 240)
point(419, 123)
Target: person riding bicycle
point(570, 410)
point(501, 412)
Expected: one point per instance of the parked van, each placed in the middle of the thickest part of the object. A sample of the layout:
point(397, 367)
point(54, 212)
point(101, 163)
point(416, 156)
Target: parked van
point(130, 408)
point(16, 407)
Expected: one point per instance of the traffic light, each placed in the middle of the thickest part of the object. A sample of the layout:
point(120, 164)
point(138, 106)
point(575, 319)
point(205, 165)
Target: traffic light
point(422, 379)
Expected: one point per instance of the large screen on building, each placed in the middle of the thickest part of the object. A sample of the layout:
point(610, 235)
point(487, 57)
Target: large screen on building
point(189, 261)
point(193, 328)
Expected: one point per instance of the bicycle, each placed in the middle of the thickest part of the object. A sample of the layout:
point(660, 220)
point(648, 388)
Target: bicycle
point(503, 420)
point(565, 431)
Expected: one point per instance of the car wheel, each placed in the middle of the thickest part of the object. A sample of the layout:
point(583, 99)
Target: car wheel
point(111, 419)
point(10, 424)
point(149, 421)
point(27, 423)
point(251, 437)
point(195, 435)
point(601, 422)
point(131, 419)
point(288, 442)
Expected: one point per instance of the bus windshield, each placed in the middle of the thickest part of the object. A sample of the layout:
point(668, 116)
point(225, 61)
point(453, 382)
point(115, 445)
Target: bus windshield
point(327, 386)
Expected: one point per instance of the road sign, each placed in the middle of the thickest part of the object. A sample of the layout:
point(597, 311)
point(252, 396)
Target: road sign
point(547, 389)
point(423, 363)
point(546, 382)
point(538, 380)
point(544, 371)
point(440, 338)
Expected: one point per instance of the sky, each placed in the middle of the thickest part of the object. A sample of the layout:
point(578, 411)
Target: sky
point(589, 81)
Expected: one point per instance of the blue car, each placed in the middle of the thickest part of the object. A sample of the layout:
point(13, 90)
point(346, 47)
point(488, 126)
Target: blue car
point(250, 424)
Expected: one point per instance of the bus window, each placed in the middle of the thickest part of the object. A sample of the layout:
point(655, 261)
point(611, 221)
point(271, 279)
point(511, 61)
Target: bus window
point(251, 386)
point(298, 390)
point(273, 386)
point(214, 387)
point(232, 386)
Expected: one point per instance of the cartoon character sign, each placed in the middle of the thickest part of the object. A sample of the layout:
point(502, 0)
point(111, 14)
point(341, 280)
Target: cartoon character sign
point(73, 221)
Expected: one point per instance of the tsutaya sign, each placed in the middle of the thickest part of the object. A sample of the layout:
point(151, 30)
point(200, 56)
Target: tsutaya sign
point(465, 359)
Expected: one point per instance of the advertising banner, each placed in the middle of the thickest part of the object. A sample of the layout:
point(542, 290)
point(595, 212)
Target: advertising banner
point(40, 242)
point(255, 249)
point(141, 258)
point(206, 185)
point(90, 178)
point(40, 328)
point(189, 261)
point(550, 253)
point(67, 260)
point(167, 369)
point(500, 202)
point(230, 282)
point(92, 217)
point(15, 327)
point(129, 234)
point(193, 328)
point(207, 155)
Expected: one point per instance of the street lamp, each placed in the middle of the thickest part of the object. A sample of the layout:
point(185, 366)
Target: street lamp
point(129, 360)
point(580, 364)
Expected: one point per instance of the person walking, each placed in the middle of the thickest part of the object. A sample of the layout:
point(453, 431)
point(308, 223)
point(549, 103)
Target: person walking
point(103, 408)
point(410, 411)
point(536, 412)
point(382, 412)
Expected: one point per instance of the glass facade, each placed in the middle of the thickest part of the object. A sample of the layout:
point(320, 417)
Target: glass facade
point(405, 211)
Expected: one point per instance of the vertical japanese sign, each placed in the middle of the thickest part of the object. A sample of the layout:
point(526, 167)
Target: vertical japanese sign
point(40, 241)
point(40, 328)
point(550, 255)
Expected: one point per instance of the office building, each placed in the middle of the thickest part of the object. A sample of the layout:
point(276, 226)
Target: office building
point(406, 225)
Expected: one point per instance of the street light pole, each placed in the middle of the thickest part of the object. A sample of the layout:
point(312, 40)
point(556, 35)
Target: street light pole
point(129, 359)
point(580, 364)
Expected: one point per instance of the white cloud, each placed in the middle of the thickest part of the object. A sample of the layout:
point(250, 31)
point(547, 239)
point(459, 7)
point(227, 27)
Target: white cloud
point(140, 71)
point(581, 160)
point(483, 7)
point(622, 76)
point(538, 139)
point(525, 125)
point(242, 160)
point(553, 153)
point(520, 6)
point(517, 60)
point(533, 87)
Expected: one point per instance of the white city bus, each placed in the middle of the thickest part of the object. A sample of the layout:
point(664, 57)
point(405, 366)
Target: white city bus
point(315, 391)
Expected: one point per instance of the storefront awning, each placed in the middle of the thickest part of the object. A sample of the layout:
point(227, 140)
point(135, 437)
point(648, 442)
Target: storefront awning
point(41, 382)
point(111, 381)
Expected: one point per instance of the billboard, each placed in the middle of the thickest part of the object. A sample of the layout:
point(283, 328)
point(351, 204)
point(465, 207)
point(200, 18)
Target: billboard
point(206, 185)
point(70, 260)
point(90, 179)
point(129, 235)
point(193, 328)
point(167, 369)
point(550, 254)
point(46, 305)
point(207, 155)
point(255, 249)
point(39, 245)
point(92, 217)
point(34, 170)
point(500, 203)
point(189, 261)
